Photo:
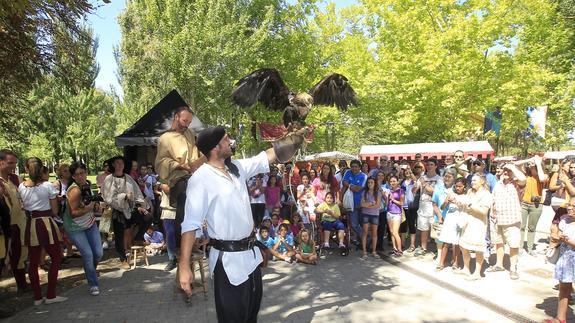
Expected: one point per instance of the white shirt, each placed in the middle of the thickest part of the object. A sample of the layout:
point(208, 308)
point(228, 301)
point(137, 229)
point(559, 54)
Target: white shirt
point(425, 204)
point(225, 204)
point(37, 198)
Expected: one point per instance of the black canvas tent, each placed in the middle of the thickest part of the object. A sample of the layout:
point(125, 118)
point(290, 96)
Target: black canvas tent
point(140, 140)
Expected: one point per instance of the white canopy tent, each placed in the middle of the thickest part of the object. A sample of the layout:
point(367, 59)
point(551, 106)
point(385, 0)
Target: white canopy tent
point(438, 150)
point(559, 154)
point(329, 156)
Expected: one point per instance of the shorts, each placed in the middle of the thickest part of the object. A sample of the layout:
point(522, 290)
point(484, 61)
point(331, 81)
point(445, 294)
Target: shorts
point(371, 219)
point(424, 223)
point(506, 234)
point(393, 216)
point(334, 225)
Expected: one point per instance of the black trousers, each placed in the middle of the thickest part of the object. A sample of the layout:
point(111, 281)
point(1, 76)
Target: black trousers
point(381, 230)
point(410, 223)
point(258, 212)
point(237, 304)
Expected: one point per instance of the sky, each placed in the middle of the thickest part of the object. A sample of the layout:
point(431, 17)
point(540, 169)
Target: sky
point(105, 25)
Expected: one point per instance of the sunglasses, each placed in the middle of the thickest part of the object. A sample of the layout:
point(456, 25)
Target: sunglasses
point(477, 164)
point(458, 157)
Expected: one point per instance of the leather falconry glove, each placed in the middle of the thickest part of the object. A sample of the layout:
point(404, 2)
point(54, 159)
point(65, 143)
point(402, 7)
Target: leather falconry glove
point(286, 147)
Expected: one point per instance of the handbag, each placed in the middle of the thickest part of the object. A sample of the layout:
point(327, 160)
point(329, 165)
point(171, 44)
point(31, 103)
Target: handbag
point(436, 228)
point(348, 200)
point(106, 221)
point(552, 255)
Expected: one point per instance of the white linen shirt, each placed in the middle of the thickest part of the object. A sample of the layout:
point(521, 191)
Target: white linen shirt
point(224, 204)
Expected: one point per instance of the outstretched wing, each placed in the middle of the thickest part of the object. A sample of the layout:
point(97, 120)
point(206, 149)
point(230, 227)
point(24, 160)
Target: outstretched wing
point(333, 89)
point(264, 85)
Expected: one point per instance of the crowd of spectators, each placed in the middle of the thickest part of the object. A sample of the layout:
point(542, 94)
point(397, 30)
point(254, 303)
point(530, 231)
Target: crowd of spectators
point(453, 210)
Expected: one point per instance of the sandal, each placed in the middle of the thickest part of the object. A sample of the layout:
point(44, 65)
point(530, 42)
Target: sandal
point(410, 249)
point(493, 269)
point(439, 268)
point(554, 320)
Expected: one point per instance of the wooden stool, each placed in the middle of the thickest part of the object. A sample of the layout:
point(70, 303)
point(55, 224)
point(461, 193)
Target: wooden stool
point(199, 259)
point(139, 250)
point(195, 259)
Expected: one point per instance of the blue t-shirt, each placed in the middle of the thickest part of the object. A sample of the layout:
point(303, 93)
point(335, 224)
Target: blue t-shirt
point(269, 242)
point(156, 237)
point(282, 248)
point(439, 196)
point(358, 179)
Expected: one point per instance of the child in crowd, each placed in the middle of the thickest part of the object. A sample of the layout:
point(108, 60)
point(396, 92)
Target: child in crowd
point(154, 241)
point(266, 243)
point(330, 220)
point(267, 222)
point(272, 194)
point(275, 225)
point(296, 224)
point(305, 251)
point(283, 247)
point(306, 200)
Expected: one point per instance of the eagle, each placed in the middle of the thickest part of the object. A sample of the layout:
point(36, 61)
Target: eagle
point(266, 86)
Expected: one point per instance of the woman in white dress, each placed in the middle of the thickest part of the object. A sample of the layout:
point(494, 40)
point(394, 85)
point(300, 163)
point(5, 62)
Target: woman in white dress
point(450, 231)
point(474, 225)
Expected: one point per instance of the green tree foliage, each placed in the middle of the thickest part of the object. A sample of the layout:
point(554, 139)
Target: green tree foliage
point(428, 70)
point(423, 70)
point(202, 47)
point(28, 31)
point(65, 117)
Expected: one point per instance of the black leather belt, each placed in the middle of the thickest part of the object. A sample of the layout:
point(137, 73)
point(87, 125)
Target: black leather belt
point(234, 245)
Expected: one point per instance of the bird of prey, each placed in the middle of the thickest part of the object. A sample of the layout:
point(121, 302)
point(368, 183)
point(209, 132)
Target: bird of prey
point(266, 86)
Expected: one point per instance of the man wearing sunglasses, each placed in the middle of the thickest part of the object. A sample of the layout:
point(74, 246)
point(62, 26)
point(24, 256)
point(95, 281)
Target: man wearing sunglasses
point(458, 162)
point(478, 167)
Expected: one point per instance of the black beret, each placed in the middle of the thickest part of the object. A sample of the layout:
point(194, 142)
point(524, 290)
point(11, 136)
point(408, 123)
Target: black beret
point(209, 138)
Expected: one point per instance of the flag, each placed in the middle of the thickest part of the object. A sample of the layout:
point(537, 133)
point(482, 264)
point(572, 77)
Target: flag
point(492, 121)
point(537, 117)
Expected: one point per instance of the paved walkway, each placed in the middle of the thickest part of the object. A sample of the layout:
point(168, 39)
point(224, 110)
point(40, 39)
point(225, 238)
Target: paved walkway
point(339, 289)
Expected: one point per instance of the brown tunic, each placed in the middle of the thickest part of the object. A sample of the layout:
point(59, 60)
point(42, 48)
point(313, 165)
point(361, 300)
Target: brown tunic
point(175, 149)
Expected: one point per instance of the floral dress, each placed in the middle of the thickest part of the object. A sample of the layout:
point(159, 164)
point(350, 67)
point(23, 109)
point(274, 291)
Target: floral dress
point(565, 266)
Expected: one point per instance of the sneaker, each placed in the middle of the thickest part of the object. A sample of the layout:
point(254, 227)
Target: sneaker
point(420, 252)
point(94, 291)
point(171, 265)
point(56, 299)
point(493, 269)
point(513, 275)
point(125, 265)
point(39, 301)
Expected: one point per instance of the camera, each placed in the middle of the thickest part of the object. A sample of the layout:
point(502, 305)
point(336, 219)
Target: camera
point(536, 200)
point(87, 196)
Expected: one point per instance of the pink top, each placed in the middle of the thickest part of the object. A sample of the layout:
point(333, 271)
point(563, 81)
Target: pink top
point(322, 188)
point(272, 195)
